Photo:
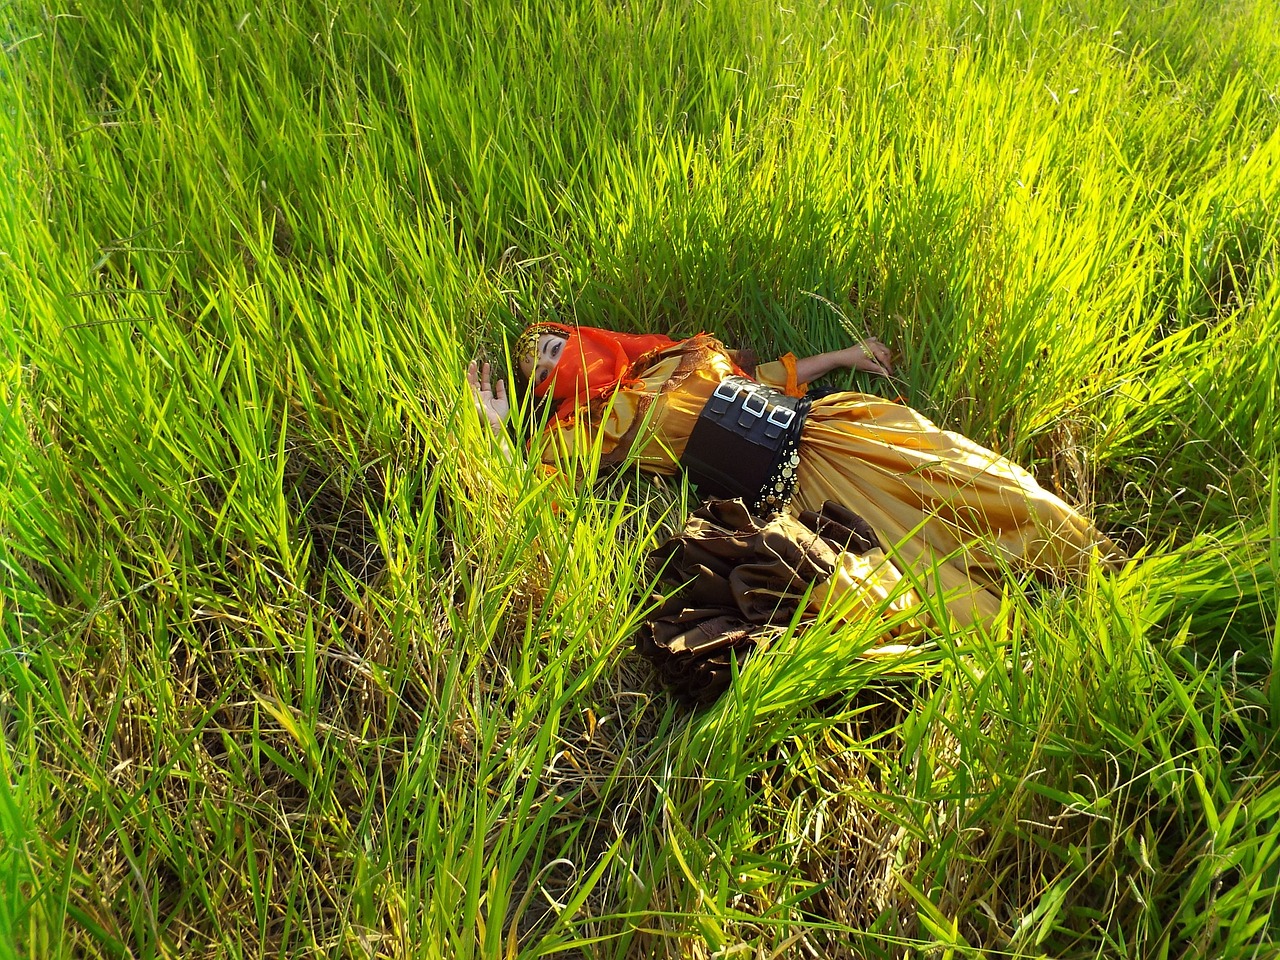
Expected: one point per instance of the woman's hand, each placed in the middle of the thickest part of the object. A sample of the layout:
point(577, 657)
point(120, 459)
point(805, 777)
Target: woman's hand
point(870, 356)
point(490, 399)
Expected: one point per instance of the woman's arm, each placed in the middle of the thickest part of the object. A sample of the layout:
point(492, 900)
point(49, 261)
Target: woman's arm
point(869, 355)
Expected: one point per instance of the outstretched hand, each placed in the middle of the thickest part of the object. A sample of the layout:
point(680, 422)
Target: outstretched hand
point(491, 398)
point(871, 356)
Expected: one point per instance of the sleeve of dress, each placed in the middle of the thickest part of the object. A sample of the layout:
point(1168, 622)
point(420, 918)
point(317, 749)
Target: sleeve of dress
point(781, 375)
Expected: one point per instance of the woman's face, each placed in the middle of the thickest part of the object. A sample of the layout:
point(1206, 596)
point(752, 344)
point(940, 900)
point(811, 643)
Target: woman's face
point(545, 359)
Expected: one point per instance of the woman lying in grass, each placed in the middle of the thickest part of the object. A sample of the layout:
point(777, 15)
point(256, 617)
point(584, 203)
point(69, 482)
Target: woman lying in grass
point(946, 508)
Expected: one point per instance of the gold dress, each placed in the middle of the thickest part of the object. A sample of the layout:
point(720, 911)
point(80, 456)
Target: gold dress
point(948, 511)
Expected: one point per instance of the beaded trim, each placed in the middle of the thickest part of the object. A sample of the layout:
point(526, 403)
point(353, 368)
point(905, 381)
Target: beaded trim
point(781, 485)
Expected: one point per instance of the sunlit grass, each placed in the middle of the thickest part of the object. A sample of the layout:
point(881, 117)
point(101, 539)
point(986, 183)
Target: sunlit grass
point(295, 661)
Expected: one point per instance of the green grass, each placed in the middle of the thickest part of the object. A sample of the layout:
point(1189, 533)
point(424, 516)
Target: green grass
point(296, 663)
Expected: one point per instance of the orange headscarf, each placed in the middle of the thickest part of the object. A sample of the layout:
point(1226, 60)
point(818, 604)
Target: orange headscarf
point(594, 362)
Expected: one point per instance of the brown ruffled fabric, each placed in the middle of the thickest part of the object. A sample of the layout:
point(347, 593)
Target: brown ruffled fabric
point(740, 575)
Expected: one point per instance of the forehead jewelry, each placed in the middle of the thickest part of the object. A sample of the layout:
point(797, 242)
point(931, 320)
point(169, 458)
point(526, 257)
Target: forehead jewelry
point(527, 348)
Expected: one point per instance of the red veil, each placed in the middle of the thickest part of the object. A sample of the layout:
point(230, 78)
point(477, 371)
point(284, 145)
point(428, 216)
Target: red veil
point(593, 362)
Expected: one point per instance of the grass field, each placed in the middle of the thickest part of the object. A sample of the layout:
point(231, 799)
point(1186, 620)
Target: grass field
point(296, 663)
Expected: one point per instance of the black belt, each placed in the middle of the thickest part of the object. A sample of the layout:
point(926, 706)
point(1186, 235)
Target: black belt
point(746, 444)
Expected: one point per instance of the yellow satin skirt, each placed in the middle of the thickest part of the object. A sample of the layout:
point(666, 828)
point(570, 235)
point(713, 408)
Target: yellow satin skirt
point(949, 512)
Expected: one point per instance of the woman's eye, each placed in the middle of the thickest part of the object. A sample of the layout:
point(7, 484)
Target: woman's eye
point(555, 348)
point(542, 374)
